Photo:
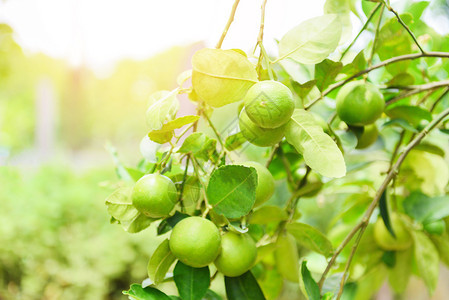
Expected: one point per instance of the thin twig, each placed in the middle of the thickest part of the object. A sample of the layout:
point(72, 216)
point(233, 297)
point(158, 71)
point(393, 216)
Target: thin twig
point(391, 174)
point(228, 24)
point(439, 99)
point(416, 89)
point(371, 15)
point(272, 155)
point(376, 35)
point(374, 67)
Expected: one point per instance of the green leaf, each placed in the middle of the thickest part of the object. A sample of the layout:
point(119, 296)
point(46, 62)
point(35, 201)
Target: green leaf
point(234, 141)
point(412, 114)
point(427, 260)
point(271, 284)
point(399, 275)
point(120, 207)
point(232, 190)
point(211, 295)
point(383, 207)
point(136, 292)
point(167, 224)
point(325, 73)
point(163, 107)
point(311, 41)
point(442, 245)
point(358, 64)
point(165, 134)
point(426, 209)
point(243, 287)
point(431, 148)
point(221, 77)
point(160, 262)
point(311, 238)
point(400, 123)
point(268, 214)
point(416, 9)
point(319, 150)
point(312, 289)
point(400, 80)
point(192, 283)
point(342, 9)
point(199, 144)
point(302, 90)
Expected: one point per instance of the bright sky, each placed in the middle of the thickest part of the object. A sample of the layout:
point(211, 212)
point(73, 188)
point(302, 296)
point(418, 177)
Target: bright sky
point(100, 32)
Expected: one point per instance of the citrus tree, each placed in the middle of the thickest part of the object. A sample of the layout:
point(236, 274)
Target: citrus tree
point(333, 176)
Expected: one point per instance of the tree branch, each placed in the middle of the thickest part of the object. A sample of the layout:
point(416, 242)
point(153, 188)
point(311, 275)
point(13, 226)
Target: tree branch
point(374, 67)
point(231, 18)
point(376, 34)
point(416, 89)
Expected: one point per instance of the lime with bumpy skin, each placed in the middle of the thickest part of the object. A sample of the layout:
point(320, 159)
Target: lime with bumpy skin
point(386, 241)
point(238, 254)
point(368, 137)
point(265, 182)
point(195, 241)
point(359, 103)
point(269, 104)
point(154, 195)
point(263, 137)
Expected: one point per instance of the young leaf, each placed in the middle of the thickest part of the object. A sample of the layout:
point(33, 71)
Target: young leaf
point(427, 260)
point(243, 287)
point(199, 144)
point(313, 40)
point(160, 262)
point(325, 73)
point(384, 213)
point(399, 275)
point(267, 214)
point(302, 90)
point(232, 190)
point(165, 134)
point(319, 150)
point(192, 283)
point(313, 291)
point(163, 107)
point(136, 292)
point(221, 77)
point(311, 238)
point(234, 141)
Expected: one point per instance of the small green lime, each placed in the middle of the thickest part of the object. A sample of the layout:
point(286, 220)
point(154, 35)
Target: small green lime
point(263, 137)
point(359, 103)
point(437, 227)
point(368, 137)
point(265, 182)
point(286, 257)
point(154, 195)
point(386, 241)
point(195, 241)
point(238, 254)
point(269, 104)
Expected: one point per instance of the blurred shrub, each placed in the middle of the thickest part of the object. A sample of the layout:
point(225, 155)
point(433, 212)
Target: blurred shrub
point(56, 241)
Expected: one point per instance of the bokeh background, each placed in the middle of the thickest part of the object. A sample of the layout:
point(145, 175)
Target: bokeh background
point(75, 77)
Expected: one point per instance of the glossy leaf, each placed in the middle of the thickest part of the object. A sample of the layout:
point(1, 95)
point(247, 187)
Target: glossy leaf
point(221, 77)
point(313, 40)
point(311, 238)
point(234, 141)
point(192, 283)
point(313, 291)
point(319, 150)
point(426, 209)
point(325, 73)
point(163, 107)
point(412, 114)
point(427, 260)
point(232, 190)
point(137, 292)
point(160, 262)
point(243, 287)
point(383, 207)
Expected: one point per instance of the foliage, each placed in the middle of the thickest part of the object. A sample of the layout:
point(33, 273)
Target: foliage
point(318, 230)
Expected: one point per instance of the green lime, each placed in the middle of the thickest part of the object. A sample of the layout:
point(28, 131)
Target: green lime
point(359, 103)
point(238, 254)
point(386, 241)
point(195, 241)
point(154, 195)
point(368, 137)
point(436, 227)
point(269, 104)
point(263, 137)
point(265, 182)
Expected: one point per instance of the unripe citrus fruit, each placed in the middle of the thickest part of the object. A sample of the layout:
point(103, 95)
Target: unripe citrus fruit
point(384, 238)
point(286, 257)
point(238, 254)
point(269, 104)
point(265, 182)
point(259, 136)
point(359, 103)
point(154, 195)
point(195, 241)
point(436, 227)
point(368, 137)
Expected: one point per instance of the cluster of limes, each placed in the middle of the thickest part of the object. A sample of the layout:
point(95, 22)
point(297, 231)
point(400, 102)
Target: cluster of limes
point(268, 106)
point(360, 104)
point(196, 241)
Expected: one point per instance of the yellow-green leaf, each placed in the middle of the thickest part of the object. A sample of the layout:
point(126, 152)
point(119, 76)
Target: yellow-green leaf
point(163, 107)
point(165, 134)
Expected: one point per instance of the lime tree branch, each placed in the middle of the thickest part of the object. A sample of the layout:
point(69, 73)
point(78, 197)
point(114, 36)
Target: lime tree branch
point(405, 27)
point(376, 35)
point(416, 89)
point(371, 15)
point(262, 22)
point(390, 175)
point(228, 24)
point(374, 67)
